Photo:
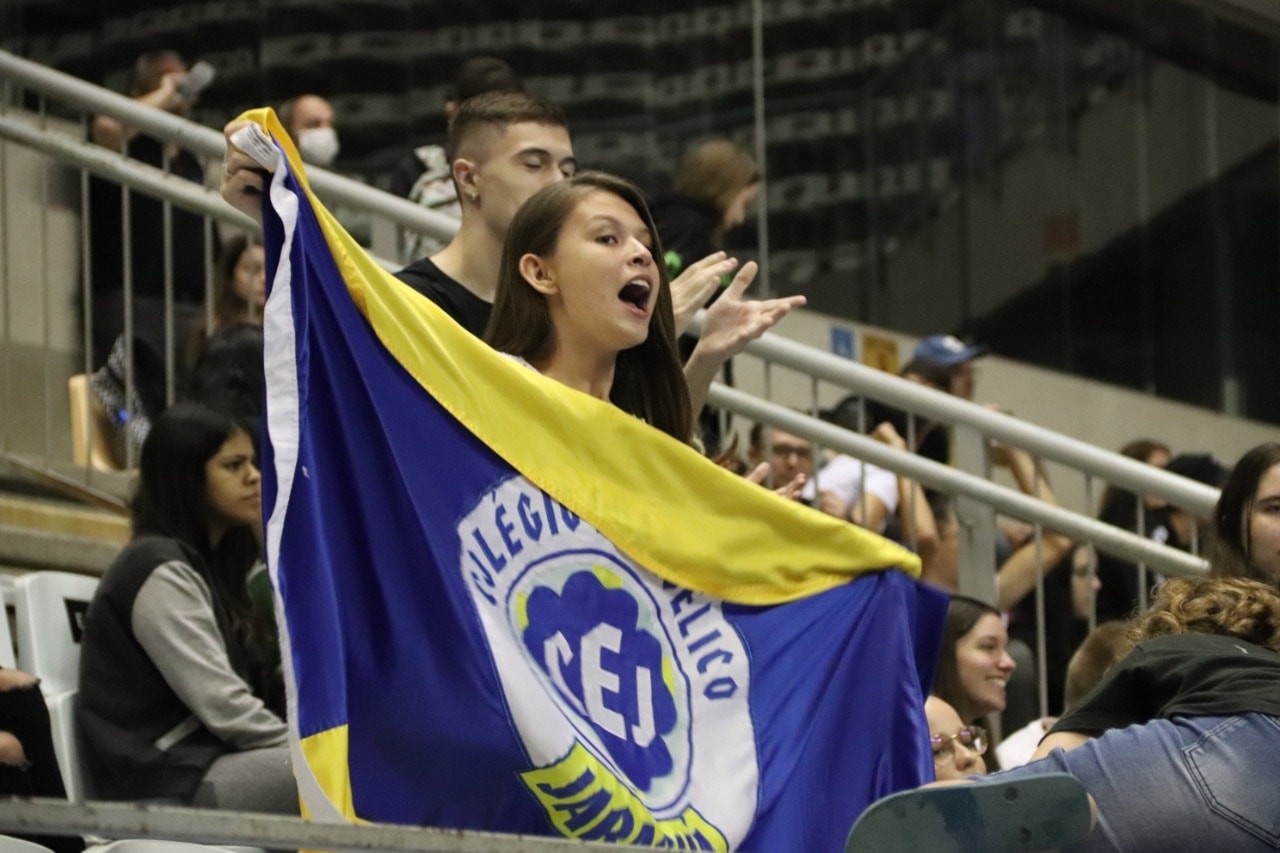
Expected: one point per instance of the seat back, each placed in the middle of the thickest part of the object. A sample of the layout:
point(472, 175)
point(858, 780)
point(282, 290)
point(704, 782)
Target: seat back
point(8, 660)
point(1045, 812)
point(50, 610)
point(158, 845)
point(9, 844)
point(90, 440)
point(66, 745)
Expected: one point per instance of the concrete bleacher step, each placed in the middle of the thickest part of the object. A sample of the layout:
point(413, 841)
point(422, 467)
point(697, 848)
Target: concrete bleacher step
point(40, 533)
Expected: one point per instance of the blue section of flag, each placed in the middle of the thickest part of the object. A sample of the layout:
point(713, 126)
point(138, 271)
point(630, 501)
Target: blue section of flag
point(386, 639)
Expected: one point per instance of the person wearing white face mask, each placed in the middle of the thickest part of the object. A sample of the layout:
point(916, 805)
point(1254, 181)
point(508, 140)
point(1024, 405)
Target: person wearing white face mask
point(310, 122)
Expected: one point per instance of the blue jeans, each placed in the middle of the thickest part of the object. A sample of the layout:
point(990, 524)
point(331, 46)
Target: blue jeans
point(1191, 783)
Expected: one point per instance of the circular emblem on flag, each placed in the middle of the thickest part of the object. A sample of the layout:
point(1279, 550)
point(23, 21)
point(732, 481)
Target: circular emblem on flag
point(629, 693)
point(592, 631)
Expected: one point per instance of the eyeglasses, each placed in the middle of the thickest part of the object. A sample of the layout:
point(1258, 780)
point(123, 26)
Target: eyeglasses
point(973, 737)
point(785, 450)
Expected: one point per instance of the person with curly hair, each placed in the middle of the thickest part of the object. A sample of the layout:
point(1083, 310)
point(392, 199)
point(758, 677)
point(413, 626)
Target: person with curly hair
point(1196, 706)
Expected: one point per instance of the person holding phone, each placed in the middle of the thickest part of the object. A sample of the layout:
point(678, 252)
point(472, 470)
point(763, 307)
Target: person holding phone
point(162, 80)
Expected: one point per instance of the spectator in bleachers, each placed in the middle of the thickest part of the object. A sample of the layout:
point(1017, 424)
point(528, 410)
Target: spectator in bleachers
point(1016, 576)
point(715, 184)
point(156, 81)
point(713, 187)
point(425, 175)
point(957, 748)
point(1100, 650)
point(229, 375)
point(1246, 521)
point(583, 300)
point(239, 290)
point(1119, 507)
point(955, 357)
point(504, 147)
point(932, 438)
point(790, 461)
point(129, 415)
point(1179, 743)
point(180, 696)
point(311, 123)
point(836, 488)
point(28, 763)
point(1175, 526)
point(873, 496)
point(1180, 528)
point(974, 665)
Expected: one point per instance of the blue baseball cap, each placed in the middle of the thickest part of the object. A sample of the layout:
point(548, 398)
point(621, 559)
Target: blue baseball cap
point(947, 350)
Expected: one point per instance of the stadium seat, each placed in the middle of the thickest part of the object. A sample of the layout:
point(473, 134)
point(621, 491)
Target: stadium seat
point(159, 845)
point(50, 608)
point(8, 660)
point(66, 745)
point(90, 443)
point(996, 816)
point(9, 844)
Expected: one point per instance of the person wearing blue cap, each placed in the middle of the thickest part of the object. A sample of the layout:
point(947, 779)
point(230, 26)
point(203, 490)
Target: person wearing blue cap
point(953, 355)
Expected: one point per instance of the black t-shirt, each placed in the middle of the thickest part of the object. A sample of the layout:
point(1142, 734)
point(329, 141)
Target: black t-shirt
point(470, 311)
point(1188, 675)
point(1063, 630)
point(686, 230)
point(147, 231)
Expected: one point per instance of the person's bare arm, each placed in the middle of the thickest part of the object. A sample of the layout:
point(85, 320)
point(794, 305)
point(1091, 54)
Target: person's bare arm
point(1017, 576)
point(913, 508)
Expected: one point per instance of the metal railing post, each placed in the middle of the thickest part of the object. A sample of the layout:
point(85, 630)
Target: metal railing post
point(977, 575)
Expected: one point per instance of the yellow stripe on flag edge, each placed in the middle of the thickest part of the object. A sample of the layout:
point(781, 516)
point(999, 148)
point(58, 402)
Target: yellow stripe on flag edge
point(713, 531)
point(326, 754)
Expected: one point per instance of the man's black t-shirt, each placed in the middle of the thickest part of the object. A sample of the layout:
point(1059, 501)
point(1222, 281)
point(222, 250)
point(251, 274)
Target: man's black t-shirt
point(146, 217)
point(470, 311)
point(1189, 675)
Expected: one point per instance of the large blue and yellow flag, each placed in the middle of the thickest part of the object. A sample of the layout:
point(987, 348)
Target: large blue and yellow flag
point(510, 606)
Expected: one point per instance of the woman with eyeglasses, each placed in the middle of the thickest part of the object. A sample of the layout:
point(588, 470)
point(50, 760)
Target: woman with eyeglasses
point(957, 748)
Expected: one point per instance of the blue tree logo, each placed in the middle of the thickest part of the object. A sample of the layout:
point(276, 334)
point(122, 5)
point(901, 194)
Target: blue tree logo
point(588, 642)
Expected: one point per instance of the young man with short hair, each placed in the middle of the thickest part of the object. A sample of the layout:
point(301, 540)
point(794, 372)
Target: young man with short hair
point(503, 147)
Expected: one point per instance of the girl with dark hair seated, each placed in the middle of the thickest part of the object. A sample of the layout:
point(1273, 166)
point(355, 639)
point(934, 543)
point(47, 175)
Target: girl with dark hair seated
point(1246, 521)
point(1179, 743)
point(239, 291)
point(974, 665)
point(179, 693)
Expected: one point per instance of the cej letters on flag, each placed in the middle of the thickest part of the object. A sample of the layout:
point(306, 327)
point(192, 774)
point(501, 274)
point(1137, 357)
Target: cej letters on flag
point(507, 605)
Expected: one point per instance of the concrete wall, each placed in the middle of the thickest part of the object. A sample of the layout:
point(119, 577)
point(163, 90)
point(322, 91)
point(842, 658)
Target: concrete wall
point(1189, 132)
point(39, 287)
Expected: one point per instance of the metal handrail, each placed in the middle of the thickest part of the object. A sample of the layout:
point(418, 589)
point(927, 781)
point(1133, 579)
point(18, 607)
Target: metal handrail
point(1082, 528)
point(209, 826)
point(1112, 467)
point(210, 143)
point(142, 177)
